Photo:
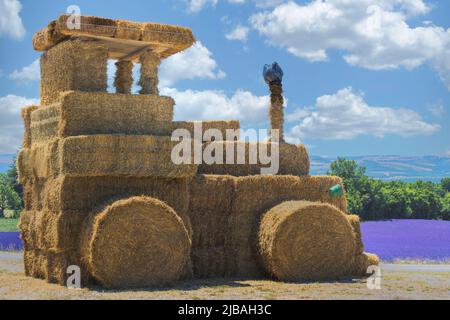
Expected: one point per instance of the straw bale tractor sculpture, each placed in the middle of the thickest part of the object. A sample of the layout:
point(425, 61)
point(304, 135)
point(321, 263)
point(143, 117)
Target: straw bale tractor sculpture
point(101, 191)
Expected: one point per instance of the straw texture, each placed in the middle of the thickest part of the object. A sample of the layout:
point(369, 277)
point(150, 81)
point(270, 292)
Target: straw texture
point(72, 65)
point(156, 239)
point(301, 240)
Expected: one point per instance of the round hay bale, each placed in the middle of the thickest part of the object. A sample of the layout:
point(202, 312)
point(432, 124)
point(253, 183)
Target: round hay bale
point(136, 242)
point(363, 261)
point(302, 240)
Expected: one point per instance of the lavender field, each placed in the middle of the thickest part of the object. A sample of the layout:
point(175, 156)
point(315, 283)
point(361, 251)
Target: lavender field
point(391, 240)
point(10, 241)
point(408, 239)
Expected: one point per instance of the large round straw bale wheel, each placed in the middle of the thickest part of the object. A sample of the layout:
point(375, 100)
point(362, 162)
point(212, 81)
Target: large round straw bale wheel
point(302, 240)
point(136, 242)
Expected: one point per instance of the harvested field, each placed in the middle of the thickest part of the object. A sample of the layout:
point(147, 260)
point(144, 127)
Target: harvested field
point(395, 284)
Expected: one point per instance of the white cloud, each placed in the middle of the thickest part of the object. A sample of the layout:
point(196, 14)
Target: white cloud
point(345, 115)
point(436, 109)
point(11, 126)
point(267, 3)
point(10, 21)
point(373, 34)
point(239, 33)
point(27, 73)
point(195, 62)
point(197, 5)
point(216, 105)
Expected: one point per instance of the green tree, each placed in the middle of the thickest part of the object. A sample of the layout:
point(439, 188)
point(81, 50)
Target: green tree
point(353, 175)
point(425, 200)
point(9, 199)
point(355, 182)
point(13, 179)
point(445, 183)
point(445, 207)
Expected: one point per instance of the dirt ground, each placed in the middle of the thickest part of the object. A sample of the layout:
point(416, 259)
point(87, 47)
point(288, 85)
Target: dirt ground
point(396, 283)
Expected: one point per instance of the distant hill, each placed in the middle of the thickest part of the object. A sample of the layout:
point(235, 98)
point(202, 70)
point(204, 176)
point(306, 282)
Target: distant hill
point(431, 168)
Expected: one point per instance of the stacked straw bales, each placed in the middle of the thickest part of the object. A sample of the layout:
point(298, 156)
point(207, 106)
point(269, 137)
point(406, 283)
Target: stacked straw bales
point(102, 193)
point(225, 227)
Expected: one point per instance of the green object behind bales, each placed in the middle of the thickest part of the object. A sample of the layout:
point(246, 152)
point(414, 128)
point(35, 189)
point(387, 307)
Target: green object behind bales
point(336, 191)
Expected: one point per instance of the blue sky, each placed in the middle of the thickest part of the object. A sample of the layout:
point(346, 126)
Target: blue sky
point(361, 77)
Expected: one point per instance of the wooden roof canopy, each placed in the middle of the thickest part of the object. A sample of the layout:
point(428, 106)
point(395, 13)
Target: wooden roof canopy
point(124, 39)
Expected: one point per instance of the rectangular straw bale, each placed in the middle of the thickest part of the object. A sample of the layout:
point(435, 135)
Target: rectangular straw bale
point(35, 263)
point(82, 194)
point(90, 25)
point(33, 194)
point(26, 116)
point(25, 227)
point(209, 209)
point(121, 155)
point(175, 36)
point(58, 231)
point(128, 30)
point(45, 123)
point(222, 126)
point(48, 37)
point(41, 161)
point(85, 113)
point(73, 65)
point(27, 195)
point(209, 262)
point(292, 159)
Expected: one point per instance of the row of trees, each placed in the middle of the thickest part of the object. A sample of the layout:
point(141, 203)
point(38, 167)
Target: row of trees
point(374, 199)
point(10, 191)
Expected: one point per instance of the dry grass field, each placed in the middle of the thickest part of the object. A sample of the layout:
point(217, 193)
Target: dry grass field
point(394, 285)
